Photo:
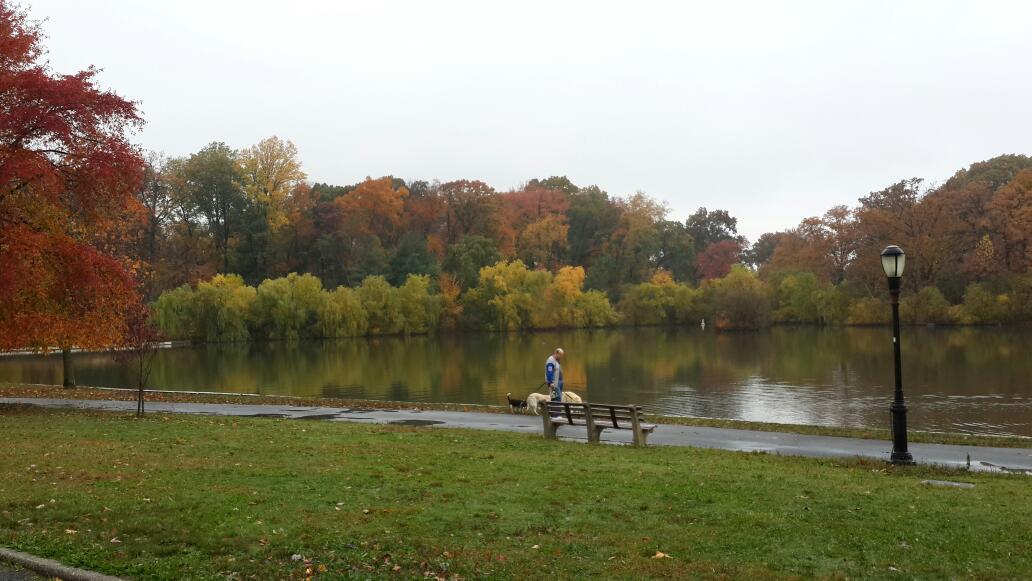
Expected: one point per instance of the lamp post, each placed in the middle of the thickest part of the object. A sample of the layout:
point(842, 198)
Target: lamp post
point(893, 258)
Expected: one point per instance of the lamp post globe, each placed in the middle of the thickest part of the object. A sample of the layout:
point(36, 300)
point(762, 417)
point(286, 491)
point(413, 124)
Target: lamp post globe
point(893, 260)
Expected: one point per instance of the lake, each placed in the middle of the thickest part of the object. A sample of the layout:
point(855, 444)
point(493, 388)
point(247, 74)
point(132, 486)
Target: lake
point(972, 380)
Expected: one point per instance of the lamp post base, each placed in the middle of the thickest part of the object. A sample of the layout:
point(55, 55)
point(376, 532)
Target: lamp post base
point(902, 459)
point(900, 452)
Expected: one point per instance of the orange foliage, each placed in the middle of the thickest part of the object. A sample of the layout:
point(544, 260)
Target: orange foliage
point(68, 177)
point(373, 208)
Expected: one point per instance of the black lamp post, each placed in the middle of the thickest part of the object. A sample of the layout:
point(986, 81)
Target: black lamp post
point(893, 259)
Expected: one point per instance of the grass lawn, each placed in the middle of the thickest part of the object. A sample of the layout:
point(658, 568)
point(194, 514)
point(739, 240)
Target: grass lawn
point(187, 497)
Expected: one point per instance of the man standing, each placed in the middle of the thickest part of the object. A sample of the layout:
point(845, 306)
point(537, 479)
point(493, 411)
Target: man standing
point(554, 375)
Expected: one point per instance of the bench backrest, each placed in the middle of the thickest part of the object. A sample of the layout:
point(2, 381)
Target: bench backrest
point(616, 416)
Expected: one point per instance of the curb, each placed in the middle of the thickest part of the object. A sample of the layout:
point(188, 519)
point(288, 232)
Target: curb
point(52, 568)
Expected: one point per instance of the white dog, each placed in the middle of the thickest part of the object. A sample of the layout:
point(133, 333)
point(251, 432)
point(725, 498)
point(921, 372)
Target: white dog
point(534, 402)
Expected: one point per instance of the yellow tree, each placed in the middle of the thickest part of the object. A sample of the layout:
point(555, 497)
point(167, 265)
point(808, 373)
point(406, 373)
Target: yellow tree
point(542, 244)
point(269, 170)
point(562, 300)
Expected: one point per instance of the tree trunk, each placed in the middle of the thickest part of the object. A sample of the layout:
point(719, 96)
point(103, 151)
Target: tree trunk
point(69, 372)
point(140, 383)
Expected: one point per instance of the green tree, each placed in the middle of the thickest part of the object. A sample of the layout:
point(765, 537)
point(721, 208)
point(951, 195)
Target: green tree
point(411, 256)
point(213, 190)
point(676, 252)
point(592, 217)
point(707, 227)
point(465, 259)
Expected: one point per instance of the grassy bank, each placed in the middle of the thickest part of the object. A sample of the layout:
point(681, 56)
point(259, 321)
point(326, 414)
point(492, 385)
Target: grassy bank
point(47, 391)
point(172, 497)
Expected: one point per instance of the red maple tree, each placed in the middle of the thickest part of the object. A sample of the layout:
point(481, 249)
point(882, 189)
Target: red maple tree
point(67, 178)
point(716, 260)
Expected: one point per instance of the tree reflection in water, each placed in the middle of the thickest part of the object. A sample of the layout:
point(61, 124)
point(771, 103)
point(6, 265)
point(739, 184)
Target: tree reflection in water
point(973, 380)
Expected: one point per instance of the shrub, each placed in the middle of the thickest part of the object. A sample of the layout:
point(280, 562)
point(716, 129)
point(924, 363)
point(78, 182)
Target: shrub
point(869, 311)
point(222, 309)
point(342, 315)
point(381, 306)
point(798, 297)
point(288, 307)
point(740, 300)
point(982, 307)
point(174, 312)
point(419, 309)
point(927, 306)
point(506, 297)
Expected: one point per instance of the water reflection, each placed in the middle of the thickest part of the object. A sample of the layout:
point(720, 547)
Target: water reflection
point(968, 380)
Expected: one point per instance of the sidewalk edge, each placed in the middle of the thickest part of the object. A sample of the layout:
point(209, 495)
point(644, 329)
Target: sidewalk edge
point(51, 567)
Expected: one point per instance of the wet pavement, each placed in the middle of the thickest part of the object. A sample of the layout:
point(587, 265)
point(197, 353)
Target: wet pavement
point(15, 573)
point(980, 457)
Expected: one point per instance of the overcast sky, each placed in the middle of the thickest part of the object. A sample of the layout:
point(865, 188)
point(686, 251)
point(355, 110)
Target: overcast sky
point(772, 110)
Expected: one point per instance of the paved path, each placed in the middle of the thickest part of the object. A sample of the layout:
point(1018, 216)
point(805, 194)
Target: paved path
point(13, 573)
point(982, 458)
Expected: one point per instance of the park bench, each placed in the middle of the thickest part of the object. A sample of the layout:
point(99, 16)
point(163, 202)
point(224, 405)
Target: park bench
point(596, 417)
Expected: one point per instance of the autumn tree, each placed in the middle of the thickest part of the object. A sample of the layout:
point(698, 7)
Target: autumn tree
point(716, 260)
point(994, 173)
point(902, 215)
point(472, 209)
point(269, 171)
point(762, 251)
point(1011, 210)
point(373, 208)
point(635, 241)
point(824, 245)
point(543, 243)
point(424, 215)
point(68, 176)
